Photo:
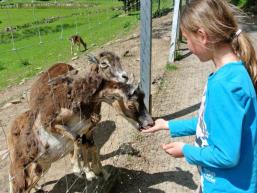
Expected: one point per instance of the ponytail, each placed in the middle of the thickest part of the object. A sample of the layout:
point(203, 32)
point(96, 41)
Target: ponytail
point(217, 19)
point(245, 51)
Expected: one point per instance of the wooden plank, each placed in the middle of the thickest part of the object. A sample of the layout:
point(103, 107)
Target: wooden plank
point(146, 50)
point(174, 31)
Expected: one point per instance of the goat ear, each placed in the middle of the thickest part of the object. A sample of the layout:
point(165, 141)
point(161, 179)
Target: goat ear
point(92, 59)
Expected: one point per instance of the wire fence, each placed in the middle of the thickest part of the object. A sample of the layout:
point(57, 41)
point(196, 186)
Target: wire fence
point(36, 35)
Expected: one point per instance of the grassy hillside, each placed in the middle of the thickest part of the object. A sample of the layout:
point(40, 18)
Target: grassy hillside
point(39, 36)
point(36, 43)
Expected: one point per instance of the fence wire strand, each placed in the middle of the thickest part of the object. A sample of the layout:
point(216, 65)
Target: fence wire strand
point(42, 41)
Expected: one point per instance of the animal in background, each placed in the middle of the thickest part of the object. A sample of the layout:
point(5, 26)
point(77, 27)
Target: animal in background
point(76, 40)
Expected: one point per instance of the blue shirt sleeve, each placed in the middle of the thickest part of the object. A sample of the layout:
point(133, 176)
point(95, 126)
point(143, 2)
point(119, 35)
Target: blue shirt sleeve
point(180, 128)
point(224, 114)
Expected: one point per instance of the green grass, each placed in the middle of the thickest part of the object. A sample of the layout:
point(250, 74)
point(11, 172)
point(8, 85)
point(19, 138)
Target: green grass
point(178, 56)
point(240, 3)
point(165, 7)
point(171, 67)
point(27, 56)
point(37, 45)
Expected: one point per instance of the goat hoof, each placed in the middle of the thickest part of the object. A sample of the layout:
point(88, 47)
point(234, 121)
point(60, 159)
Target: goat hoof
point(90, 176)
point(39, 188)
point(78, 172)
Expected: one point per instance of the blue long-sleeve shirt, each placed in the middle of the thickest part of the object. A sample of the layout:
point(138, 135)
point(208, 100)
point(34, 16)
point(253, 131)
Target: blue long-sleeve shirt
point(226, 132)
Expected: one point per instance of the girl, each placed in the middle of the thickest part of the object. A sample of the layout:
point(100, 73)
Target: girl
point(226, 127)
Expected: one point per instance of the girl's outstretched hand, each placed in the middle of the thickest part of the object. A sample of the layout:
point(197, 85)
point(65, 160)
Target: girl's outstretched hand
point(160, 124)
point(174, 149)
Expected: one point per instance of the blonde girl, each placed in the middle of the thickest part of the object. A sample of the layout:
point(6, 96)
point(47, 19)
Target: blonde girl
point(225, 149)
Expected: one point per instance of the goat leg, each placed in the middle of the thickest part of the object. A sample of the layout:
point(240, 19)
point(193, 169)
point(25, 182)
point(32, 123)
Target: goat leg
point(75, 157)
point(71, 49)
point(24, 179)
point(64, 131)
point(96, 165)
point(91, 153)
point(87, 155)
point(63, 117)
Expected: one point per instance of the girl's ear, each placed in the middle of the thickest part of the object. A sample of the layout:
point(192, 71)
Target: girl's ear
point(203, 37)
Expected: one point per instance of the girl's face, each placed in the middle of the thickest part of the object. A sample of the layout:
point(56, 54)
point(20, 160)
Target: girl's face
point(197, 44)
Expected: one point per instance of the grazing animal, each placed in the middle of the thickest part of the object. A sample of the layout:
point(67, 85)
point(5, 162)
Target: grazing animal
point(77, 41)
point(71, 101)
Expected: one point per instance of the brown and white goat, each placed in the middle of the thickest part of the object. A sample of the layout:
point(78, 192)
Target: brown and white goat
point(107, 66)
point(70, 102)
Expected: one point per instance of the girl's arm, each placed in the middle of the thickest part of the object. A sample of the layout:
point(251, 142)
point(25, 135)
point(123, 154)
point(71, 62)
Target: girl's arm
point(179, 128)
point(224, 118)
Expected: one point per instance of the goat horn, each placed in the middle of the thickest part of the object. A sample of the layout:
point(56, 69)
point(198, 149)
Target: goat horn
point(131, 79)
point(92, 59)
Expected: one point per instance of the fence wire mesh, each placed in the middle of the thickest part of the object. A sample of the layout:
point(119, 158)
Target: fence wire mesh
point(35, 34)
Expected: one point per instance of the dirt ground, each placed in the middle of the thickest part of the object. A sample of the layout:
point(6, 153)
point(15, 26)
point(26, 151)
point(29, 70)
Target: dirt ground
point(141, 164)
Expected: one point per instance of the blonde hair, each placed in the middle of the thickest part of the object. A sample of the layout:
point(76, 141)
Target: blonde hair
point(216, 17)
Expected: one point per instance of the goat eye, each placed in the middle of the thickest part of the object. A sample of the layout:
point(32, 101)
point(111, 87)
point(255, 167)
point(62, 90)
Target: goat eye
point(104, 65)
point(131, 107)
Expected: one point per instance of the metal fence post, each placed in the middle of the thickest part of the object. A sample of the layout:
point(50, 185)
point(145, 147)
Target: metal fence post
point(146, 50)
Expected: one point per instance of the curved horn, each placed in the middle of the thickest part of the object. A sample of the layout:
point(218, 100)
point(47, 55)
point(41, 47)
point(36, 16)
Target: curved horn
point(131, 79)
point(92, 59)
